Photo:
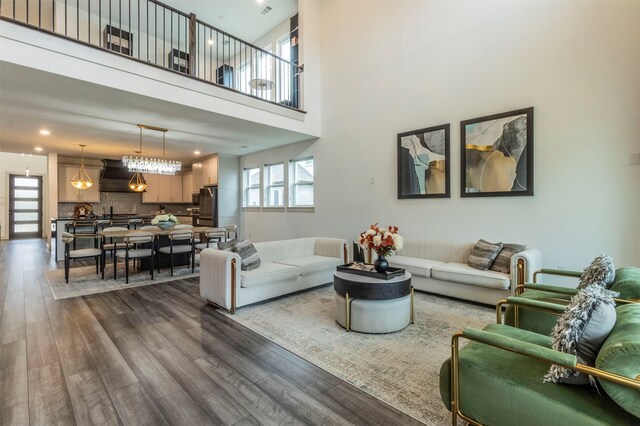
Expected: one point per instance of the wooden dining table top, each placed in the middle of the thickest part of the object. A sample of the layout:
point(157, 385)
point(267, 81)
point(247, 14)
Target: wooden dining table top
point(130, 232)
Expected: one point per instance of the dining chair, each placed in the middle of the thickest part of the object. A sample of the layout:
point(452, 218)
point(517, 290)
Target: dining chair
point(68, 238)
point(111, 246)
point(130, 249)
point(177, 236)
point(149, 228)
point(231, 228)
point(211, 237)
point(185, 226)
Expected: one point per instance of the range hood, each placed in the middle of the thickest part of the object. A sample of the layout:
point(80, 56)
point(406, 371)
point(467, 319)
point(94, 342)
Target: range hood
point(114, 177)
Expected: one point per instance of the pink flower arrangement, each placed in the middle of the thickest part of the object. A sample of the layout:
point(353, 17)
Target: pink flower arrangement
point(384, 241)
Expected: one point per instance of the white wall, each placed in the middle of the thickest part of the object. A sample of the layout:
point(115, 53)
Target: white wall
point(17, 164)
point(273, 223)
point(390, 67)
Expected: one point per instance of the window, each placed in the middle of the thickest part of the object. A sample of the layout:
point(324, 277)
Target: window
point(274, 185)
point(301, 190)
point(251, 185)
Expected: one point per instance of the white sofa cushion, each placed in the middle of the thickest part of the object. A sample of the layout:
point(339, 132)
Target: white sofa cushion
point(417, 266)
point(268, 272)
point(274, 251)
point(443, 251)
point(465, 274)
point(311, 264)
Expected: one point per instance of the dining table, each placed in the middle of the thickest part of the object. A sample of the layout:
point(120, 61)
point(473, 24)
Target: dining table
point(163, 260)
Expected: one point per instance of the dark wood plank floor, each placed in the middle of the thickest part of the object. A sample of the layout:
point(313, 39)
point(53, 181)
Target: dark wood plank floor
point(151, 355)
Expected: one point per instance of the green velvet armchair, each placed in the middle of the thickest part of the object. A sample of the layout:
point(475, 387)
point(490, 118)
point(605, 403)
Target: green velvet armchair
point(496, 379)
point(627, 283)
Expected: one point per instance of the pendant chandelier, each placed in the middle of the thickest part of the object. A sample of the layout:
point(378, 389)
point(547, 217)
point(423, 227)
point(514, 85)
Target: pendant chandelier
point(81, 179)
point(137, 182)
point(160, 166)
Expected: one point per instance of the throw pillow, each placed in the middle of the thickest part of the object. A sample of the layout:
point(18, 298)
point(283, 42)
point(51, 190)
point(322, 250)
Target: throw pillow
point(227, 245)
point(503, 261)
point(601, 271)
point(248, 254)
point(483, 254)
point(581, 331)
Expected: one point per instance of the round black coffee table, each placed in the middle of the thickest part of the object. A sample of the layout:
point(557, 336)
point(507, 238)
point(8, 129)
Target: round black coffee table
point(372, 305)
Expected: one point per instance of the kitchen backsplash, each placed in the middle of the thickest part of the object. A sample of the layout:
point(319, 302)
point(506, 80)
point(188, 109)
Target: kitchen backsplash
point(123, 202)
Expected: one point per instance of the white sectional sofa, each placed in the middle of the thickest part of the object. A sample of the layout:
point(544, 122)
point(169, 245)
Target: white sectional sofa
point(441, 268)
point(286, 267)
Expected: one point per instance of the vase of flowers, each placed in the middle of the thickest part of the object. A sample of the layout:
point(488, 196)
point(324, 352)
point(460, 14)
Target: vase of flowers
point(384, 241)
point(165, 221)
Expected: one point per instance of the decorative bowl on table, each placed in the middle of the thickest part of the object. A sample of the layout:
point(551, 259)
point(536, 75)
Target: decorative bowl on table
point(165, 225)
point(165, 221)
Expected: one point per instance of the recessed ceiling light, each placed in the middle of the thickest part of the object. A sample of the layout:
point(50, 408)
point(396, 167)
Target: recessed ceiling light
point(37, 148)
point(196, 152)
point(210, 41)
point(260, 1)
point(45, 132)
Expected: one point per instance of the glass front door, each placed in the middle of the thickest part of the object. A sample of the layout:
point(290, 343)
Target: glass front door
point(25, 206)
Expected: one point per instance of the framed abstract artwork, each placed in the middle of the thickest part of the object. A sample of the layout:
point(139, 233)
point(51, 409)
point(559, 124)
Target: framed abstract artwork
point(423, 163)
point(497, 155)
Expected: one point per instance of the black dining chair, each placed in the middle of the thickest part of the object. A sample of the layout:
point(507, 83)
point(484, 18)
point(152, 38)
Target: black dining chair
point(95, 252)
point(184, 236)
point(131, 248)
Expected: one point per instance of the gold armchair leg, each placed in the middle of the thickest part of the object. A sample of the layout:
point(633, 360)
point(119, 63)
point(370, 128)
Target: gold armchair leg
point(411, 315)
point(233, 285)
point(348, 309)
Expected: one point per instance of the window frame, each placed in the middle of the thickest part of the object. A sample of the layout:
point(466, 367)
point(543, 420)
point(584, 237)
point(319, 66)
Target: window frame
point(266, 171)
point(293, 183)
point(246, 187)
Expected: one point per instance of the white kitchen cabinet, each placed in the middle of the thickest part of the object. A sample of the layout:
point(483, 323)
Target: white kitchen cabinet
point(164, 189)
point(151, 194)
point(175, 182)
point(187, 187)
point(196, 176)
point(68, 194)
point(210, 171)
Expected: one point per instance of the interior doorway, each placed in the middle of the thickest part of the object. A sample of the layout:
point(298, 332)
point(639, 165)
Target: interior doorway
point(25, 206)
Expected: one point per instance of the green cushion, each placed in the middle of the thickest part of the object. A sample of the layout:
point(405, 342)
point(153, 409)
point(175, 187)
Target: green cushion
point(498, 387)
point(535, 320)
point(620, 354)
point(627, 283)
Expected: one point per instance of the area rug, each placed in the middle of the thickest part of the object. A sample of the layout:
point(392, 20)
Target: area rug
point(83, 280)
point(401, 369)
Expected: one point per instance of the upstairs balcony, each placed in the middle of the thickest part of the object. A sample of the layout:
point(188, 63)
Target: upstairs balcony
point(159, 35)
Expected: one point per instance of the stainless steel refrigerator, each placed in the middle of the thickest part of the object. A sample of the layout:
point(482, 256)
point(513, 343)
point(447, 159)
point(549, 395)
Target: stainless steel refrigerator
point(208, 206)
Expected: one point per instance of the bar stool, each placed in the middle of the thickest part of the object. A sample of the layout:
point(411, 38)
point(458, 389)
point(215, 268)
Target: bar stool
point(96, 253)
point(101, 223)
point(177, 236)
point(135, 223)
point(130, 249)
point(77, 227)
point(122, 223)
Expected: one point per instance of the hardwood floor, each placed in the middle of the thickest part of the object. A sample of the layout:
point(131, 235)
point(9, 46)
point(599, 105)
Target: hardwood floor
point(151, 355)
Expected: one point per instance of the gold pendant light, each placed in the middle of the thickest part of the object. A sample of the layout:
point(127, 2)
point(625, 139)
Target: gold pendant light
point(81, 179)
point(137, 182)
